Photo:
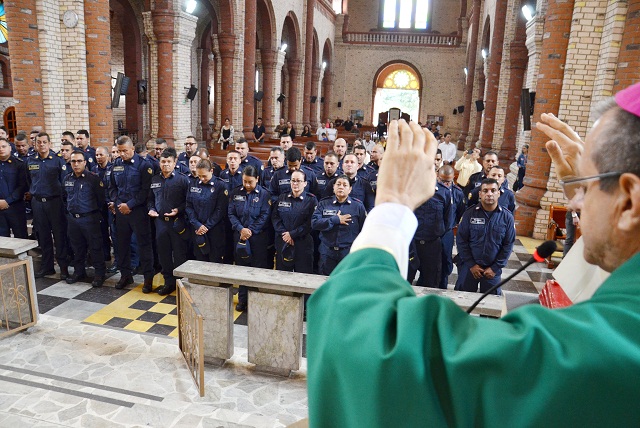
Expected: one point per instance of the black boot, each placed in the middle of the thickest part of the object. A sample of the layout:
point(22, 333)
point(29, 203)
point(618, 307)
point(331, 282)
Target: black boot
point(124, 281)
point(148, 285)
point(64, 272)
point(98, 281)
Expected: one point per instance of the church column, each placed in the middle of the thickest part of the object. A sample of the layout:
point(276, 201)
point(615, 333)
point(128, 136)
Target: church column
point(315, 81)
point(268, 58)
point(278, 110)
point(227, 52)
point(163, 28)
point(479, 114)
point(294, 66)
point(204, 93)
point(471, 66)
point(308, 65)
point(249, 67)
point(326, 83)
point(493, 76)
point(557, 29)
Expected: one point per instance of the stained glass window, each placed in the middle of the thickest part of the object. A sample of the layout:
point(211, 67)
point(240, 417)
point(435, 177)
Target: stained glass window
point(401, 79)
point(4, 33)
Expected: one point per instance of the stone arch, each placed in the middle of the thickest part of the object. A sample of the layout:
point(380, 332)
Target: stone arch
point(291, 72)
point(486, 35)
point(327, 57)
point(266, 25)
point(389, 68)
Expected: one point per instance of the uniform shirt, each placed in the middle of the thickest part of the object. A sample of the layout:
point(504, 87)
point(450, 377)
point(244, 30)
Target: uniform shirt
point(155, 163)
point(293, 215)
point(168, 193)
point(232, 180)
point(267, 175)
point(90, 157)
point(323, 181)
point(506, 200)
point(360, 190)
point(325, 219)
point(281, 182)
point(455, 198)
point(207, 203)
point(254, 162)
point(249, 210)
point(181, 168)
point(130, 182)
point(316, 165)
point(476, 180)
point(45, 176)
point(486, 238)
point(364, 171)
point(432, 215)
point(13, 180)
point(374, 165)
point(183, 158)
point(373, 181)
point(84, 193)
point(105, 176)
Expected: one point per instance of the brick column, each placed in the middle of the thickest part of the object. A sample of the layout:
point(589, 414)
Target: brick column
point(249, 67)
point(308, 65)
point(315, 83)
point(268, 58)
point(163, 28)
point(518, 57)
point(294, 66)
point(472, 52)
point(628, 71)
point(493, 76)
point(227, 45)
point(96, 18)
point(25, 63)
point(557, 29)
point(326, 83)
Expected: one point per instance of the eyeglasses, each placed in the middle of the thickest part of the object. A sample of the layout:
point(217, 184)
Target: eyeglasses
point(76, 160)
point(576, 188)
point(297, 181)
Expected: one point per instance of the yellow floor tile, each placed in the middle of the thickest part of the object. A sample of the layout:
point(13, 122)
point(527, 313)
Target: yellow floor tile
point(162, 308)
point(141, 326)
point(169, 320)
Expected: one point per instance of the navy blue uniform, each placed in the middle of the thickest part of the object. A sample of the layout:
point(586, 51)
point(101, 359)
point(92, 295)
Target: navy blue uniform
point(476, 179)
point(506, 200)
point(184, 157)
point(85, 198)
point(251, 210)
point(486, 239)
point(181, 168)
point(360, 190)
point(105, 175)
point(427, 241)
point(90, 157)
point(45, 177)
point(336, 238)
point(13, 185)
point(293, 215)
point(323, 181)
point(365, 171)
point(130, 183)
point(207, 205)
point(232, 180)
point(172, 233)
point(155, 163)
point(316, 165)
point(455, 198)
point(267, 175)
point(254, 162)
point(281, 182)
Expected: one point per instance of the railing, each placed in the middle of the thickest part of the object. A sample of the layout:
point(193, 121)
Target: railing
point(393, 38)
point(190, 337)
point(18, 302)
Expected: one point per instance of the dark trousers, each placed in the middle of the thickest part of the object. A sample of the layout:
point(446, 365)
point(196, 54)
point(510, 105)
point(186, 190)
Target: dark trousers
point(466, 281)
point(259, 258)
point(447, 260)
point(330, 257)
point(429, 255)
point(216, 240)
point(104, 231)
point(172, 248)
point(135, 260)
point(83, 233)
point(135, 222)
point(14, 219)
point(50, 220)
point(303, 255)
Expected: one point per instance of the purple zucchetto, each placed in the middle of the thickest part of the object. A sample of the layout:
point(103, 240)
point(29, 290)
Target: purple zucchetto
point(628, 99)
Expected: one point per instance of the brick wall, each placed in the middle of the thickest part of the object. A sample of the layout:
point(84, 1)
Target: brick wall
point(183, 65)
point(117, 65)
point(628, 71)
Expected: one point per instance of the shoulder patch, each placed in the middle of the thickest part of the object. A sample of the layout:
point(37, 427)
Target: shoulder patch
point(226, 192)
point(101, 183)
point(150, 171)
point(64, 167)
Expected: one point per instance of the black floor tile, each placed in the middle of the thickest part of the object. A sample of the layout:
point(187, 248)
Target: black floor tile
point(118, 322)
point(169, 300)
point(540, 276)
point(174, 312)
point(522, 286)
point(162, 329)
point(46, 303)
point(513, 264)
point(42, 283)
point(104, 295)
point(242, 319)
point(523, 257)
point(151, 316)
point(143, 305)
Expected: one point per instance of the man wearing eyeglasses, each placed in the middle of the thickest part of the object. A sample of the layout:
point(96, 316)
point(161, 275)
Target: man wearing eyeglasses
point(85, 197)
point(190, 149)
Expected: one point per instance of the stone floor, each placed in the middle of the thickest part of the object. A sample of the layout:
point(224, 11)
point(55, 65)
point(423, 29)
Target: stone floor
point(109, 358)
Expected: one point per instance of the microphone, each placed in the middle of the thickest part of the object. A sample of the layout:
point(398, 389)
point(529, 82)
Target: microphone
point(544, 250)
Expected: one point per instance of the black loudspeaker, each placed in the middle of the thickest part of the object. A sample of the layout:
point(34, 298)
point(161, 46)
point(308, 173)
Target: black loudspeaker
point(460, 109)
point(258, 96)
point(532, 101)
point(125, 85)
point(455, 111)
point(191, 95)
point(209, 95)
point(314, 99)
point(142, 91)
point(479, 105)
point(117, 91)
point(339, 104)
point(321, 99)
point(281, 98)
point(525, 107)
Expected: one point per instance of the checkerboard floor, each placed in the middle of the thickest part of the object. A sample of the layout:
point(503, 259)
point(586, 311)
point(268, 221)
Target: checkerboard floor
point(132, 310)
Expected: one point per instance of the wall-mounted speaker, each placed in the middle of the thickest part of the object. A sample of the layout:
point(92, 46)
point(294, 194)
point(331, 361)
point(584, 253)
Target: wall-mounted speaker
point(191, 95)
point(525, 108)
point(314, 99)
point(117, 91)
point(479, 105)
point(281, 98)
point(460, 109)
point(321, 99)
point(258, 95)
point(142, 91)
point(339, 104)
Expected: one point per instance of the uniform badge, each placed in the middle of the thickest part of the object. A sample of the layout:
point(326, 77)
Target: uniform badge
point(477, 221)
point(284, 204)
point(226, 192)
point(34, 167)
point(156, 185)
point(64, 167)
point(256, 199)
point(196, 190)
point(150, 171)
point(90, 159)
point(101, 184)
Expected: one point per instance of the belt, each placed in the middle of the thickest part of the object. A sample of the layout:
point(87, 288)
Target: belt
point(50, 198)
point(80, 215)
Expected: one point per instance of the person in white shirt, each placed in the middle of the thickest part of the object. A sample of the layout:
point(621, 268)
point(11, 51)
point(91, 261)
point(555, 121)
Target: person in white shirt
point(468, 166)
point(448, 148)
point(332, 132)
point(368, 143)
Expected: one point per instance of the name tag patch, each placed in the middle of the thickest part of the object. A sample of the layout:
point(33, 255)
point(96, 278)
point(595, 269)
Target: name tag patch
point(197, 190)
point(477, 221)
point(68, 183)
point(322, 182)
point(156, 185)
point(34, 167)
point(284, 182)
point(118, 168)
point(329, 212)
point(240, 198)
point(284, 204)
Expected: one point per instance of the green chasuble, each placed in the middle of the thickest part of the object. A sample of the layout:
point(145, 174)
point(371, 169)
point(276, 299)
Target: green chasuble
point(380, 357)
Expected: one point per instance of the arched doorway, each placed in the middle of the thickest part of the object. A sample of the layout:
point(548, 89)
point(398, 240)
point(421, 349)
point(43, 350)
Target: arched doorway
point(397, 85)
point(10, 122)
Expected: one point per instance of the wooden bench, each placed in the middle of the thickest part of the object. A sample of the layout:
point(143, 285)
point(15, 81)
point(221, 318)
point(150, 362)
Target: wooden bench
point(276, 306)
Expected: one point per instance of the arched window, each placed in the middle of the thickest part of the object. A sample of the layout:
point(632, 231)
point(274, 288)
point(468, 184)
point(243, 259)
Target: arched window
point(397, 86)
point(10, 121)
point(405, 14)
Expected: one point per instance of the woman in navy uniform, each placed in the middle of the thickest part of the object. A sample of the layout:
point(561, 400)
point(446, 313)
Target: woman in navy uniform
point(13, 185)
point(339, 219)
point(249, 213)
point(292, 222)
point(207, 203)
